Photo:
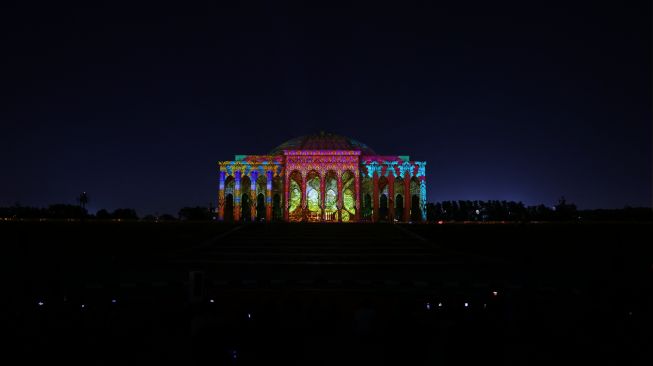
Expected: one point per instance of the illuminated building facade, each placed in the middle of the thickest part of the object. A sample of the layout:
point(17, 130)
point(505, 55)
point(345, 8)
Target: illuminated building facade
point(322, 178)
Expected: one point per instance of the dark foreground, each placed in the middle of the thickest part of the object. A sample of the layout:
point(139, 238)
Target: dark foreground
point(206, 293)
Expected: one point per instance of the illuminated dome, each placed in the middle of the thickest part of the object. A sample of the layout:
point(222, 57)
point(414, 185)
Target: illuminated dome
point(323, 141)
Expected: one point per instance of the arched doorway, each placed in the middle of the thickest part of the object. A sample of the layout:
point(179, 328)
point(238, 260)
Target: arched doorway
point(383, 192)
point(367, 207)
point(245, 200)
point(277, 213)
point(399, 207)
point(277, 198)
point(415, 212)
point(230, 184)
point(246, 207)
point(399, 199)
point(260, 207)
point(383, 207)
point(261, 193)
point(229, 207)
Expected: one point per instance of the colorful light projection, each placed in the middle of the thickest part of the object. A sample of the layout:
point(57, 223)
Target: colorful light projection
point(313, 195)
point(331, 199)
point(295, 196)
point(348, 197)
point(323, 177)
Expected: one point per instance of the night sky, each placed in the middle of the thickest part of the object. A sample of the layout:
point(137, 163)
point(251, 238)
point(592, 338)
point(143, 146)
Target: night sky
point(136, 104)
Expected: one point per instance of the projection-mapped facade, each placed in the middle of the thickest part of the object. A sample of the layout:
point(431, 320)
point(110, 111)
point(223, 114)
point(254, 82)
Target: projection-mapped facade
point(322, 178)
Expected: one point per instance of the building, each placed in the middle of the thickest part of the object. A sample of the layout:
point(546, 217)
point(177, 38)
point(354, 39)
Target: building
point(322, 177)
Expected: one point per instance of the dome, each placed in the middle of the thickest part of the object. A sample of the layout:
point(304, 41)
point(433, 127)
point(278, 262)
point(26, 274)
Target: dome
point(323, 141)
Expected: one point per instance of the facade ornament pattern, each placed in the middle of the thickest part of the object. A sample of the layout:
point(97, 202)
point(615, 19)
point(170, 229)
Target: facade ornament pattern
point(339, 165)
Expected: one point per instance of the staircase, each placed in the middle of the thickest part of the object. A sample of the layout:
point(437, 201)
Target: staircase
point(308, 253)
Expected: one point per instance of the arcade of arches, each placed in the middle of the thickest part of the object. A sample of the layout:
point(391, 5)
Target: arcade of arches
point(322, 178)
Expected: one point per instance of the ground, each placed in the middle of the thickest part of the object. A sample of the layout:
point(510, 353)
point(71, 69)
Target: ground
point(100, 292)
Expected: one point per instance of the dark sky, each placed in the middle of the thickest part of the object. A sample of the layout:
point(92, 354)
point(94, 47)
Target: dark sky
point(136, 103)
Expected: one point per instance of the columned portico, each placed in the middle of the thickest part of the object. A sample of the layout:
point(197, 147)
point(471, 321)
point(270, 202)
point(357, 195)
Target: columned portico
point(318, 178)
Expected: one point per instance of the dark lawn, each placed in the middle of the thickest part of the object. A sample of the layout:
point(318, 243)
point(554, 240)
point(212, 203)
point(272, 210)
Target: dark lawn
point(328, 294)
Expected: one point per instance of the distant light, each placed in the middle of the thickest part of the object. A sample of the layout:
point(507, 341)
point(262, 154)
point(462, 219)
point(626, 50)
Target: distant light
point(478, 212)
point(40, 303)
point(495, 293)
point(83, 306)
point(211, 301)
point(630, 313)
point(484, 306)
point(466, 304)
point(249, 316)
point(439, 304)
point(234, 354)
point(440, 222)
point(113, 301)
point(428, 306)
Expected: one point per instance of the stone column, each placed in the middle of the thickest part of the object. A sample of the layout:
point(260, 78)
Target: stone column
point(357, 189)
point(286, 206)
point(339, 204)
point(268, 196)
point(323, 196)
point(304, 203)
point(391, 197)
point(253, 176)
point(221, 197)
point(375, 197)
point(237, 196)
point(407, 198)
point(422, 197)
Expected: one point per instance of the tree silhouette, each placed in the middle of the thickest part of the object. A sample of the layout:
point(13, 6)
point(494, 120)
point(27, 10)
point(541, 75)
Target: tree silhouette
point(124, 214)
point(194, 213)
point(83, 199)
point(565, 211)
point(103, 215)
